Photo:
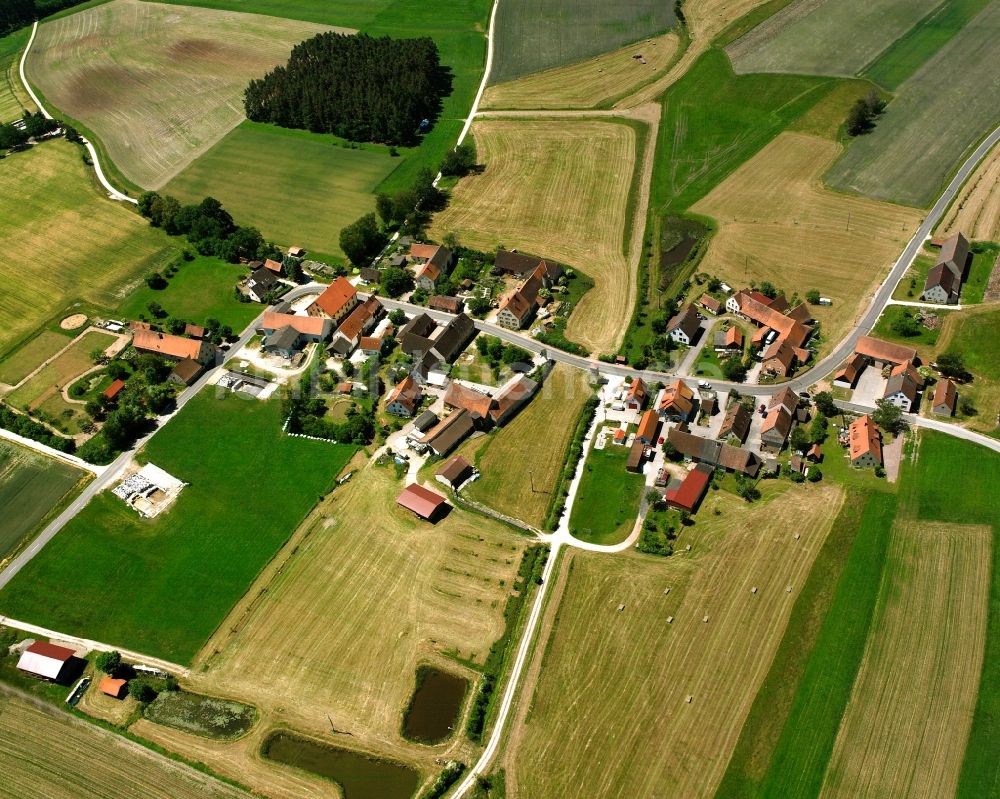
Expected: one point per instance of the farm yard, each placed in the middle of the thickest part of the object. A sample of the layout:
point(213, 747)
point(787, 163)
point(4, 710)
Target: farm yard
point(185, 569)
point(157, 84)
point(976, 209)
point(920, 119)
point(665, 745)
point(589, 83)
point(306, 186)
point(92, 246)
point(520, 463)
point(13, 98)
point(826, 37)
point(777, 222)
point(428, 594)
point(31, 486)
point(48, 753)
point(562, 191)
point(920, 672)
point(534, 36)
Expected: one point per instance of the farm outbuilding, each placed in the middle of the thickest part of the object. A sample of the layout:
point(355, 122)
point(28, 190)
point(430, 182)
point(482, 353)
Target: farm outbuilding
point(456, 472)
point(48, 661)
point(423, 502)
point(113, 687)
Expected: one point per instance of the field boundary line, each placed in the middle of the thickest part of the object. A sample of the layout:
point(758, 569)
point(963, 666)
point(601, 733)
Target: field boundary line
point(487, 69)
point(146, 660)
point(44, 449)
point(113, 193)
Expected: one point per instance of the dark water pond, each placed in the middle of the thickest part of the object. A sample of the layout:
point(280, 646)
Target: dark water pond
point(359, 776)
point(435, 706)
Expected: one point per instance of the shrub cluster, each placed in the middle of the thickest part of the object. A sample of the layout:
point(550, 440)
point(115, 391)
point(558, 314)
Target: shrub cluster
point(358, 87)
point(28, 428)
point(306, 415)
point(34, 125)
point(445, 780)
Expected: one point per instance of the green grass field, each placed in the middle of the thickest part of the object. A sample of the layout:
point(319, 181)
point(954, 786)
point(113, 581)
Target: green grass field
point(202, 289)
point(832, 38)
point(713, 121)
point(40, 347)
point(924, 340)
point(607, 500)
point(75, 244)
point(532, 35)
point(31, 486)
point(162, 586)
point(909, 52)
point(975, 338)
point(922, 119)
point(298, 188)
point(13, 98)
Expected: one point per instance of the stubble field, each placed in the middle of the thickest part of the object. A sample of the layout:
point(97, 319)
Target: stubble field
point(559, 190)
point(777, 222)
point(48, 753)
point(521, 462)
point(363, 596)
point(920, 674)
point(611, 713)
point(158, 84)
point(976, 209)
point(589, 83)
point(76, 244)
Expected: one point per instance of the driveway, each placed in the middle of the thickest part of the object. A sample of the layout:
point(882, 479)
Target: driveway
point(871, 387)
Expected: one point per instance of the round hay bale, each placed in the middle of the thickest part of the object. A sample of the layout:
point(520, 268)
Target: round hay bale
point(73, 321)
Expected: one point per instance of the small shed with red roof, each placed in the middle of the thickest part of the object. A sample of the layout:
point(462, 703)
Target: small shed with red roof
point(422, 501)
point(688, 493)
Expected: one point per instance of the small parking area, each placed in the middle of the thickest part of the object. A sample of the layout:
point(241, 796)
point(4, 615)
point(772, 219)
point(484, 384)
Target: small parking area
point(870, 387)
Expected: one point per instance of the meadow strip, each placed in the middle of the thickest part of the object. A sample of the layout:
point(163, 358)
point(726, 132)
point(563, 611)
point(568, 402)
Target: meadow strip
point(574, 451)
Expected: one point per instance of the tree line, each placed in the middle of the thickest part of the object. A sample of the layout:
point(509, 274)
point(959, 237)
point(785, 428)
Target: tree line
point(358, 87)
point(35, 125)
point(208, 226)
point(16, 14)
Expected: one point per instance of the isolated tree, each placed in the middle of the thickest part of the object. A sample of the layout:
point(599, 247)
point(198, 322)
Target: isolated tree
point(952, 364)
point(156, 281)
point(386, 208)
point(397, 317)
point(888, 416)
point(141, 690)
point(799, 439)
point(906, 325)
point(395, 281)
point(812, 297)
point(815, 475)
point(362, 240)
point(478, 306)
point(734, 370)
point(108, 662)
point(818, 429)
point(670, 451)
point(747, 488)
point(459, 161)
point(824, 404)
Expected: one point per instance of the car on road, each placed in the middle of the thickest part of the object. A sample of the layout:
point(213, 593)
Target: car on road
point(704, 384)
point(805, 395)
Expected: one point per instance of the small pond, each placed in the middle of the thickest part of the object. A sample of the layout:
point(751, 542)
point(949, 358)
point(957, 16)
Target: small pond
point(359, 776)
point(201, 715)
point(435, 706)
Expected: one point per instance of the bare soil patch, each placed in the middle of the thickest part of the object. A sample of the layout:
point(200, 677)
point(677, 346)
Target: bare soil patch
point(74, 321)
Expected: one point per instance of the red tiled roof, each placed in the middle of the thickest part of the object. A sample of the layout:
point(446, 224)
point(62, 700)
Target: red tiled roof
point(53, 651)
point(273, 266)
point(357, 319)
point(864, 439)
point(307, 325)
point(407, 393)
point(689, 493)
point(647, 426)
point(112, 391)
point(167, 344)
point(475, 402)
point(111, 686)
point(677, 396)
point(945, 394)
point(421, 501)
point(884, 351)
point(335, 297)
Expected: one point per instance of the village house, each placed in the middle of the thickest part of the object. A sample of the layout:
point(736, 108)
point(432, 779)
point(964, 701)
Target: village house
point(371, 345)
point(447, 304)
point(273, 266)
point(636, 457)
point(779, 359)
point(710, 304)
point(775, 326)
point(510, 398)
point(370, 275)
point(903, 386)
point(175, 348)
point(109, 686)
point(359, 321)
point(194, 331)
point(425, 421)
point(781, 412)
point(517, 308)
point(422, 502)
point(425, 277)
point(676, 402)
point(455, 473)
point(285, 334)
point(851, 370)
point(683, 327)
point(185, 372)
point(736, 423)
point(433, 255)
point(636, 395)
point(260, 284)
point(945, 398)
point(865, 442)
point(688, 493)
point(516, 264)
point(336, 302)
point(649, 426)
point(404, 398)
point(944, 280)
point(449, 433)
point(883, 353)
point(296, 252)
point(729, 341)
point(714, 453)
point(477, 404)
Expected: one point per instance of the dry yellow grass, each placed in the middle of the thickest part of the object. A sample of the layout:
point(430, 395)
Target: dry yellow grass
point(777, 222)
point(610, 709)
point(904, 731)
point(588, 83)
point(558, 189)
point(521, 462)
point(976, 210)
point(159, 84)
point(49, 754)
point(335, 631)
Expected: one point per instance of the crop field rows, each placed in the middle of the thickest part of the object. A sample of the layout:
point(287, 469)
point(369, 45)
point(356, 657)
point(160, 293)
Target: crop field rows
point(596, 677)
point(976, 210)
point(13, 98)
point(560, 191)
point(168, 80)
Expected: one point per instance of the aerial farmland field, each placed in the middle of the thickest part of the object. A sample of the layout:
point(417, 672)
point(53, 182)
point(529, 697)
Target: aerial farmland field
point(777, 222)
point(185, 569)
point(305, 186)
point(157, 84)
point(48, 753)
point(561, 191)
point(92, 247)
point(534, 36)
point(918, 120)
point(13, 98)
point(976, 209)
point(31, 486)
point(595, 676)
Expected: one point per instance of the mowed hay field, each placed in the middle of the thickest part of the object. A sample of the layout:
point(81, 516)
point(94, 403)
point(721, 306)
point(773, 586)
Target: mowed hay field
point(31, 486)
point(589, 83)
point(158, 84)
point(297, 188)
point(14, 99)
point(534, 35)
point(777, 222)
point(905, 727)
point(921, 139)
point(49, 753)
point(609, 710)
point(521, 462)
point(826, 37)
point(367, 594)
point(74, 243)
point(559, 189)
point(976, 210)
